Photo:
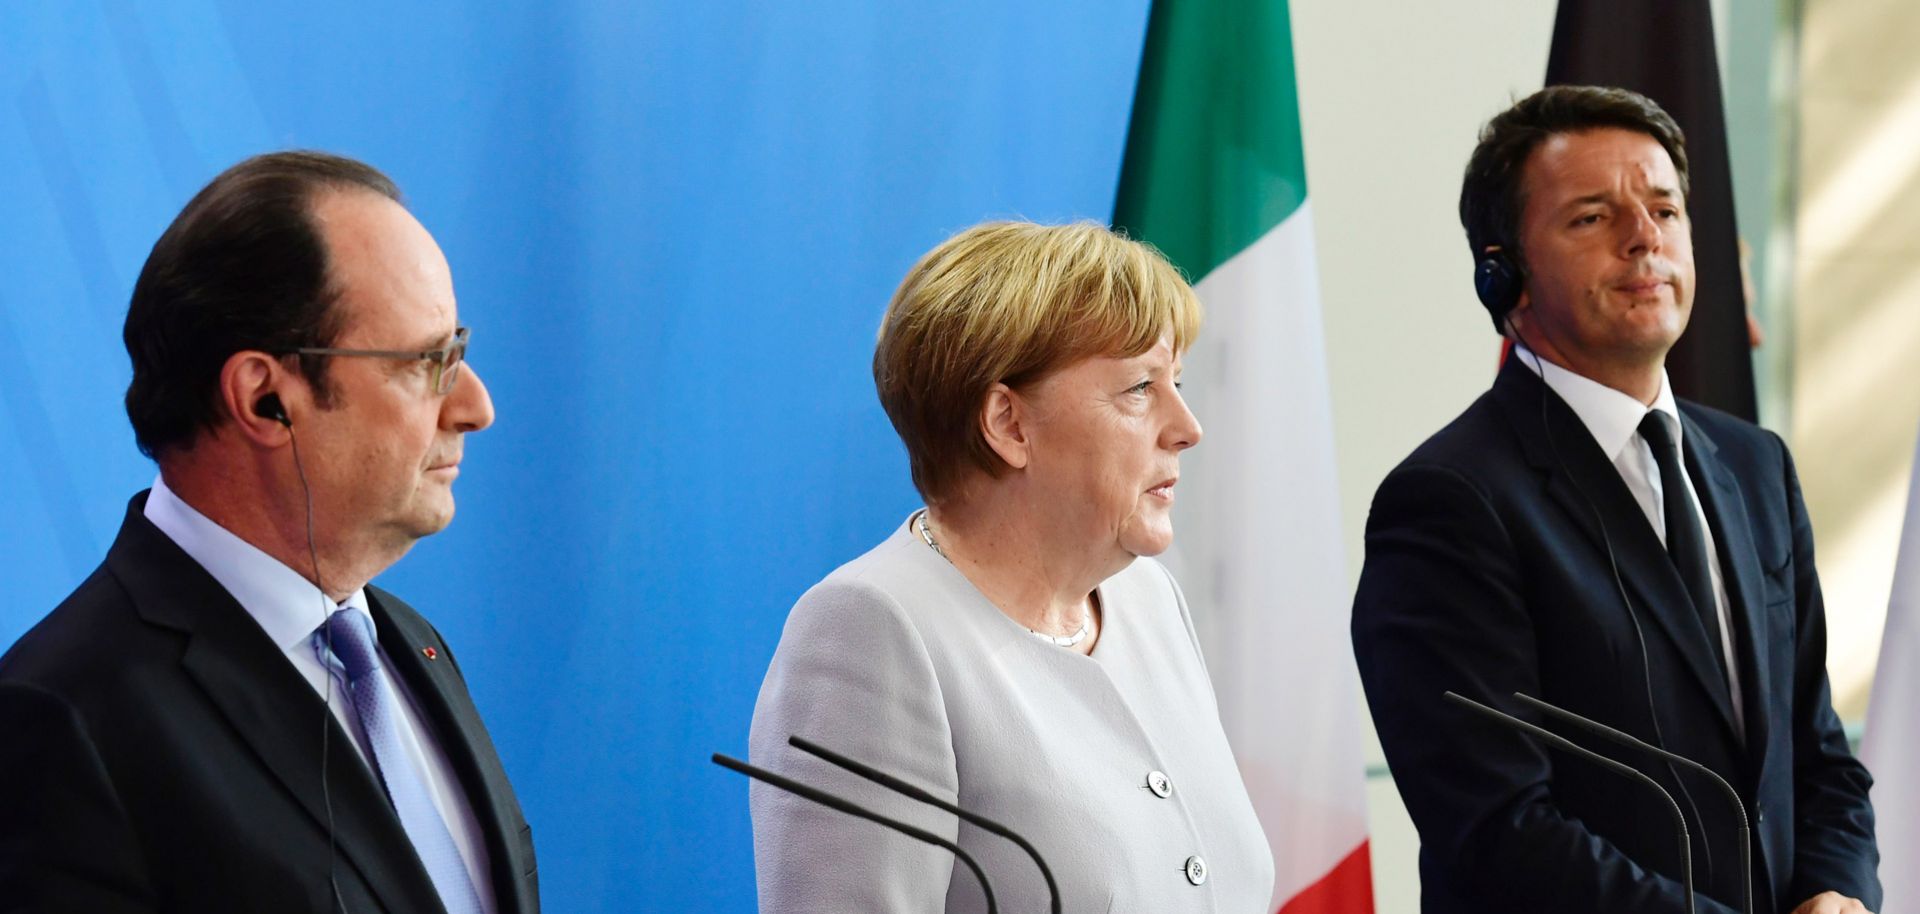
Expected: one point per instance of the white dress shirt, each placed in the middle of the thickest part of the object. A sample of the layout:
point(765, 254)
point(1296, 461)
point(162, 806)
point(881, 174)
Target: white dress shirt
point(290, 609)
point(1614, 420)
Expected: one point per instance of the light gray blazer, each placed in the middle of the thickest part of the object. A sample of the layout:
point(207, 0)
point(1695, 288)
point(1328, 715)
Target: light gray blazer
point(898, 661)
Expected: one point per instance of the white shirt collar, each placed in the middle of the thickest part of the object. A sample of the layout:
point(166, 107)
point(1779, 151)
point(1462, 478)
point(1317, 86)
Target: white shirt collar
point(1612, 417)
point(286, 605)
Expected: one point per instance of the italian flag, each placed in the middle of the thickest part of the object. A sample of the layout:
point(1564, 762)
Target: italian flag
point(1215, 177)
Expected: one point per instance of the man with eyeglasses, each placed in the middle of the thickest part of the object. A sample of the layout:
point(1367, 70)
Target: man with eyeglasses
point(226, 716)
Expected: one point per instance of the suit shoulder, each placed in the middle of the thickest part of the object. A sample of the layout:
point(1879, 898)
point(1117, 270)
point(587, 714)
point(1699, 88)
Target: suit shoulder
point(1727, 428)
point(71, 637)
point(871, 589)
point(1753, 453)
point(899, 593)
point(1478, 442)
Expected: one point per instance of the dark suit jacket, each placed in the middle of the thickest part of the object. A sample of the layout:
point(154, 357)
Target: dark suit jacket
point(159, 753)
point(1487, 573)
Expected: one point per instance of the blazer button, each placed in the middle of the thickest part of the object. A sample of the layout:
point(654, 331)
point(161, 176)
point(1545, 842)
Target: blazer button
point(1159, 784)
point(1196, 871)
point(1759, 815)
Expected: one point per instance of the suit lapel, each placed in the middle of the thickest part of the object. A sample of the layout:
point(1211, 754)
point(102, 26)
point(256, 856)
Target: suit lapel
point(1588, 487)
point(441, 695)
point(1519, 392)
point(1726, 510)
point(248, 679)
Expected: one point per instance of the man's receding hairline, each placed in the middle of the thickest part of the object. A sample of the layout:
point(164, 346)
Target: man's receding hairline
point(333, 193)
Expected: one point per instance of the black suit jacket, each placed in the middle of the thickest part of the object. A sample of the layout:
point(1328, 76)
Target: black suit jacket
point(1487, 572)
point(159, 753)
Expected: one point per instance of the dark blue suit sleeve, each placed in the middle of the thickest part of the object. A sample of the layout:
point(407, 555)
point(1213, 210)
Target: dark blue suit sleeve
point(1834, 848)
point(1439, 608)
point(65, 845)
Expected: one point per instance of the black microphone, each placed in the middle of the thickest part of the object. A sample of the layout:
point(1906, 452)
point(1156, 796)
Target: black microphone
point(854, 809)
point(902, 787)
point(1629, 740)
point(1560, 742)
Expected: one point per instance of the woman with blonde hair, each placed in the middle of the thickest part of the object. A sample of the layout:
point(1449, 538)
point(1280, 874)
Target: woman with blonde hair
point(1012, 647)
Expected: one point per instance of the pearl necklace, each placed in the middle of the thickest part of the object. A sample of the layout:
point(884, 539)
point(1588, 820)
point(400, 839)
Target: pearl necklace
point(1086, 619)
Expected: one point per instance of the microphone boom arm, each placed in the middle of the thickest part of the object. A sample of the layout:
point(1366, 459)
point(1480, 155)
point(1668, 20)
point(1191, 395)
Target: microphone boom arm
point(833, 802)
point(1560, 742)
point(902, 787)
point(1634, 742)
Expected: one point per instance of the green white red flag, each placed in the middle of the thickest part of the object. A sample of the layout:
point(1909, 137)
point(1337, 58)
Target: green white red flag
point(1215, 177)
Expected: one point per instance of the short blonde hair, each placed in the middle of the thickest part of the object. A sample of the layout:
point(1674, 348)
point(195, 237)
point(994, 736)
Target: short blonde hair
point(1011, 302)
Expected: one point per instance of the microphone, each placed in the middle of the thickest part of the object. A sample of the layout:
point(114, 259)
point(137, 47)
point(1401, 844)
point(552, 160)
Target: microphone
point(854, 809)
point(1631, 741)
point(1560, 742)
point(902, 787)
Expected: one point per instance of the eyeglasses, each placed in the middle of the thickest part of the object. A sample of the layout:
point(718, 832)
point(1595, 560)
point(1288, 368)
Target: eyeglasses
point(446, 360)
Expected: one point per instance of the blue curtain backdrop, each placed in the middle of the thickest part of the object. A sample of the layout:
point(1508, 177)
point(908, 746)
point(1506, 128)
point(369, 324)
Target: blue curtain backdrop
point(673, 227)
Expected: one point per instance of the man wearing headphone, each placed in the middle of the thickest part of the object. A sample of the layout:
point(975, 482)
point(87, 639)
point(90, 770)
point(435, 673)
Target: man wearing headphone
point(226, 716)
point(1580, 536)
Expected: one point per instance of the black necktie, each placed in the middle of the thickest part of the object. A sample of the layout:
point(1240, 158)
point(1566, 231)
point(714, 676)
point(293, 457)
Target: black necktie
point(1686, 542)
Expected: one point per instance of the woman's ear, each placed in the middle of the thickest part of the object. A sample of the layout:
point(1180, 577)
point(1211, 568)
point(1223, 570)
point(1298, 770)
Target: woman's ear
point(1003, 417)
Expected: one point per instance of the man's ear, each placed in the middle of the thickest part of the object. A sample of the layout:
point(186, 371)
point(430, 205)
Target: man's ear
point(248, 378)
point(1520, 319)
point(1003, 417)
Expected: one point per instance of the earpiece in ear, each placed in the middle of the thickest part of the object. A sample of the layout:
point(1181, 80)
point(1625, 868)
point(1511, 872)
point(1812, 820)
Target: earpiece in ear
point(269, 407)
point(1498, 282)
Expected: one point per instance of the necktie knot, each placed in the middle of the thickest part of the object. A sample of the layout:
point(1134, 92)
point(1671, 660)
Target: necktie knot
point(1653, 427)
point(349, 633)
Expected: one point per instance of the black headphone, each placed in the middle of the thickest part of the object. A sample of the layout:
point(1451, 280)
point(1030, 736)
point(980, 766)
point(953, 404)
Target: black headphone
point(1498, 281)
point(270, 407)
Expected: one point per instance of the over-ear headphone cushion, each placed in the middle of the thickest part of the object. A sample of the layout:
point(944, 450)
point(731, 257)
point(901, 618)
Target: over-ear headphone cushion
point(1498, 284)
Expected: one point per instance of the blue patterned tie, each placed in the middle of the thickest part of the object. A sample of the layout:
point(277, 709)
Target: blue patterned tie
point(355, 657)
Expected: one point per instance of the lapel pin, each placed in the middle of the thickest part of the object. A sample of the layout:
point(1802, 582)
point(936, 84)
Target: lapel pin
point(430, 652)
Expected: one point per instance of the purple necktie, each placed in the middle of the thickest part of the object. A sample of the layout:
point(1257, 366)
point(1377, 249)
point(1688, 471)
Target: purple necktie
point(355, 658)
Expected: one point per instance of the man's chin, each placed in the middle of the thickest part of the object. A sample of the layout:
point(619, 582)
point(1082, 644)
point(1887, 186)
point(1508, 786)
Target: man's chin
point(1652, 317)
point(433, 517)
point(1650, 338)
